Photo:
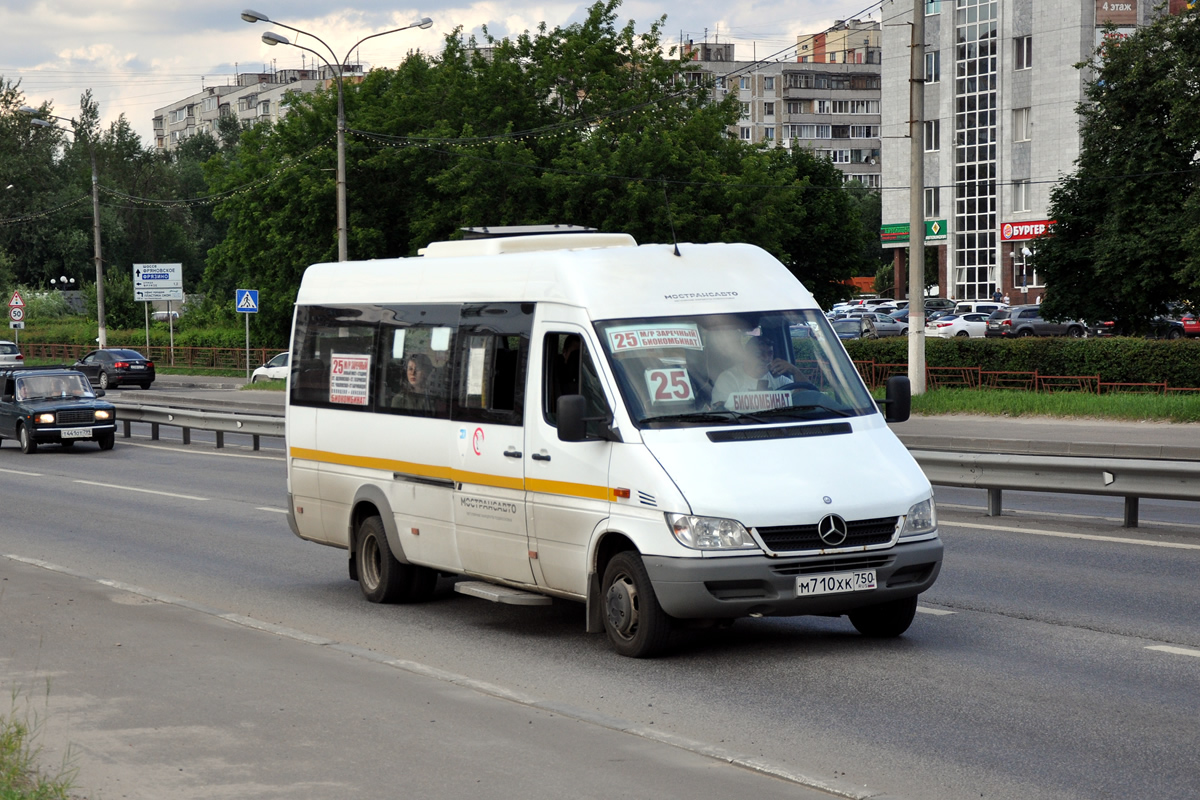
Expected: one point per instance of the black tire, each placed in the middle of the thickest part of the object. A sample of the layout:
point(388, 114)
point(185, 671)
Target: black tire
point(962, 333)
point(1075, 332)
point(381, 577)
point(886, 620)
point(28, 445)
point(106, 440)
point(103, 381)
point(144, 385)
point(67, 444)
point(1175, 333)
point(1025, 332)
point(636, 624)
point(904, 331)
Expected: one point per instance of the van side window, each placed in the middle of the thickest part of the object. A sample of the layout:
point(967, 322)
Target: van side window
point(491, 361)
point(569, 369)
point(334, 356)
point(415, 359)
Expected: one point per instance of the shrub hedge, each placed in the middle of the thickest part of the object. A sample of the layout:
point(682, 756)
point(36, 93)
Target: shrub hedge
point(1116, 360)
point(76, 330)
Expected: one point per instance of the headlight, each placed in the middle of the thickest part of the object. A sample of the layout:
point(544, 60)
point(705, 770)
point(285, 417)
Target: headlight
point(101, 414)
point(921, 518)
point(44, 419)
point(710, 533)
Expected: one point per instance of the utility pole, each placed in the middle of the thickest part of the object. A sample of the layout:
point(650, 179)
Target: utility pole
point(916, 204)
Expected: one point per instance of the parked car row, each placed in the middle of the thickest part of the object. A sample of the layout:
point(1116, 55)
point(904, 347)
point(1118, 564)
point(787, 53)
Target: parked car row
point(106, 369)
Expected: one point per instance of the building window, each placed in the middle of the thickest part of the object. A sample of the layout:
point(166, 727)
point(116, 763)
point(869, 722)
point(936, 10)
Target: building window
point(769, 134)
point(745, 111)
point(933, 203)
point(933, 135)
point(768, 109)
point(823, 107)
point(841, 106)
point(744, 83)
point(746, 134)
point(1021, 132)
point(933, 66)
point(799, 106)
point(933, 7)
point(841, 156)
point(768, 84)
point(864, 131)
point(1024, 48)
point(1020, 195)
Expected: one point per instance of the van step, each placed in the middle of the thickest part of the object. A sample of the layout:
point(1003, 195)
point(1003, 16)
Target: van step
point(501, 594)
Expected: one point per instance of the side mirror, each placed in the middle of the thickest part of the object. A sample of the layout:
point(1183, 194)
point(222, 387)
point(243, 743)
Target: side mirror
point(98, 391)
point(898, 400)
point(8, 398)
point(572, 427)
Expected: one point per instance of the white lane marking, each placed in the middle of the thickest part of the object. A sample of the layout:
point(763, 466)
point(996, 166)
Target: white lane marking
point(273, 510)
point(1179, 651)
point(21, 472)
point(1062, 535)
point(937, 612)
point(143, 491)
point(1031, 513)
point(201, 450)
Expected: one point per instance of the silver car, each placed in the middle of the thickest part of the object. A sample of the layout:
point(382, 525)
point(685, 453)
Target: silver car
point(10, 355)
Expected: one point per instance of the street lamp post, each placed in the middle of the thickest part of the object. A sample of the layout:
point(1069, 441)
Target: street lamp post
point(272, 38)
point(102, 335)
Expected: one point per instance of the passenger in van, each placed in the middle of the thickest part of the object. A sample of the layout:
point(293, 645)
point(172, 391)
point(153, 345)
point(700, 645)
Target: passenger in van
point(759, 370)
point(415, 394)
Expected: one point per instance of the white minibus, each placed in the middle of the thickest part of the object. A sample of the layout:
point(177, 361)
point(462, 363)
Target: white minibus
point(658, 431)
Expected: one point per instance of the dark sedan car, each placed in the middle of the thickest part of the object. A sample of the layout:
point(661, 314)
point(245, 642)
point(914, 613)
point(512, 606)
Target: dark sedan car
point(53, 405)
point(109, 369)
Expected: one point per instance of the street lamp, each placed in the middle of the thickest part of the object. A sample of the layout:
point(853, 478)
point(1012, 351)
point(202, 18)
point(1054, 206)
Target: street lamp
point(62, 283)
point(102, 338)
point(271, 38)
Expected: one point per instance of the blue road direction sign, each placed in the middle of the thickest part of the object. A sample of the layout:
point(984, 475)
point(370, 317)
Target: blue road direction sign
point(247, 301)
point(157, 282)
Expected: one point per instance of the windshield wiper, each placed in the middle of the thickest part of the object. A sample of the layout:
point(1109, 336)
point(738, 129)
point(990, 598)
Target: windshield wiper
point(784, 410)
point(714, 415)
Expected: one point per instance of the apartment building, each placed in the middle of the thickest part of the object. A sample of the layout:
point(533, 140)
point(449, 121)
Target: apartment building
point(1001, 89)
point(253, 97)
point(831, 107)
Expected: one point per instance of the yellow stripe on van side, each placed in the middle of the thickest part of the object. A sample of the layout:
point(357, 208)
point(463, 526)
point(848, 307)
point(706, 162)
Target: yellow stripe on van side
point(565, 488)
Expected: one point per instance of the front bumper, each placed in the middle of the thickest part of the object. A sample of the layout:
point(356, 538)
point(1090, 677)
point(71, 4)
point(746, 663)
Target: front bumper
point(740, 586)
point(54, 433)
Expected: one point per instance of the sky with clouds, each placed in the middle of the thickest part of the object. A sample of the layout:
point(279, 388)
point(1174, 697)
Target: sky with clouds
point(140, 55)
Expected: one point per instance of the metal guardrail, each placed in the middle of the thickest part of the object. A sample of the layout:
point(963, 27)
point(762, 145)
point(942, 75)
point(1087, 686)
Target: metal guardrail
point(1128, 478)
point(189, 419)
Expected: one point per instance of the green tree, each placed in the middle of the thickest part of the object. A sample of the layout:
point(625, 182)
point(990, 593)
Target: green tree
point(1126, 235)
point(595, 123)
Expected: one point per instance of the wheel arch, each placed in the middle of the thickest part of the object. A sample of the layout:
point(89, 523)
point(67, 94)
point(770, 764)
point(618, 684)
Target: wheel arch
point(370, 501)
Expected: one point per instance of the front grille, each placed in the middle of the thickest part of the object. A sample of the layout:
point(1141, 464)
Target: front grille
point(861, 533)
point(76, 416)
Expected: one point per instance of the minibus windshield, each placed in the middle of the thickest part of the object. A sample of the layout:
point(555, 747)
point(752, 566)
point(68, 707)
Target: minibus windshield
point(730, 369)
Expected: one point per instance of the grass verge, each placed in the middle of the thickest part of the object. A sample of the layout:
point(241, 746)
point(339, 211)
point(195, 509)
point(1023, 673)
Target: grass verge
point(20, 777)
point(1081, 405)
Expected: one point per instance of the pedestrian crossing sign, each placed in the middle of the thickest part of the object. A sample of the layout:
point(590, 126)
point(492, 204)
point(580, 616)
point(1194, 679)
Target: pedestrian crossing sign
point(247, 301)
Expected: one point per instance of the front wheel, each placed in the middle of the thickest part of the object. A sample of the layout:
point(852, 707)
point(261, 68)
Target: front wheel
point(635, 622)
point(28, 445)
point(885, 620)
point(106, 440)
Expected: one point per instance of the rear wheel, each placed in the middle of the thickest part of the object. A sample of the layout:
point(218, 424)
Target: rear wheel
point(1025, 332)
point(1175, 333)
point(103, 380)
point(886, 620)
point(962, 333)
point(1076, 332)
point(636, 624)
point(381, 577)
point(28, 445)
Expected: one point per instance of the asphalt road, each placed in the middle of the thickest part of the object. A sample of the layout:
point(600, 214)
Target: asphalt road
point(1057, 657)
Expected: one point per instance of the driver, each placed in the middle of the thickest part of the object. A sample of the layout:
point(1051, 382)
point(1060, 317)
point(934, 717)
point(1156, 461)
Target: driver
point(758, 371)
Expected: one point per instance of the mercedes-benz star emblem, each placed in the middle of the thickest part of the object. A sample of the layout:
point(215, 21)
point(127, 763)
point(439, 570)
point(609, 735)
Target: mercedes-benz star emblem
point(832, 530)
